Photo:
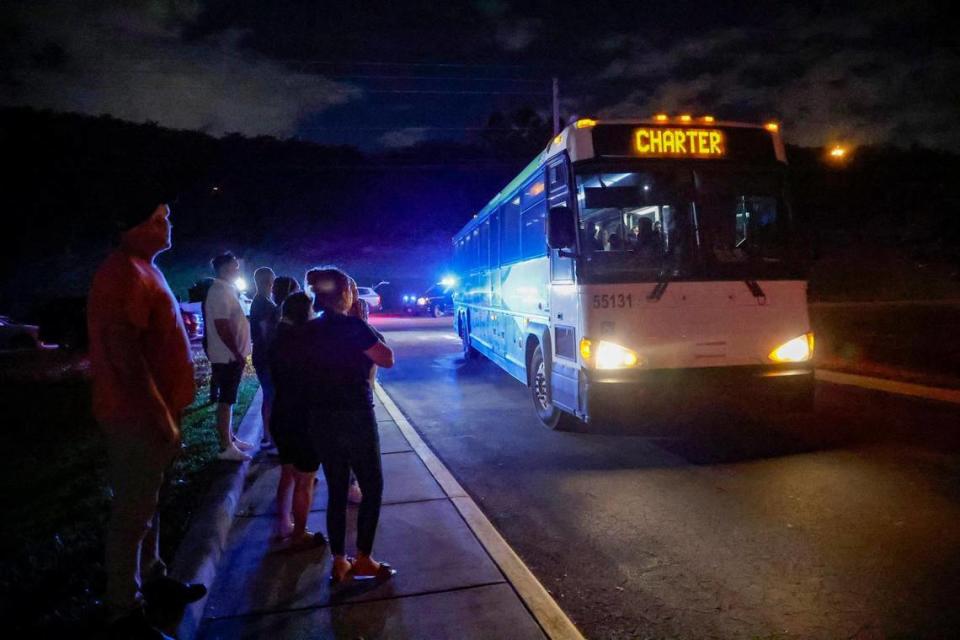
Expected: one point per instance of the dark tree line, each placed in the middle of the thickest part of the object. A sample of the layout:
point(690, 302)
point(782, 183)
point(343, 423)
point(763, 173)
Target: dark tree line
point(66, 174)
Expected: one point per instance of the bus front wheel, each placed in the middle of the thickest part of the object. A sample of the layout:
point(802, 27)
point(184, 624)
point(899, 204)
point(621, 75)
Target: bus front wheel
point(551, 416)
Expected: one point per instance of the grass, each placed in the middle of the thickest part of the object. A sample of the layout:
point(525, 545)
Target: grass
point(56, 500)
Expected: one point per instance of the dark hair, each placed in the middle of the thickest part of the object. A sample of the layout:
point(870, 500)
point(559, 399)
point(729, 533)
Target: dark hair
point(283, 286)
point(221, 260)
point(296, 308)
point(327, 285)
point(262, 275)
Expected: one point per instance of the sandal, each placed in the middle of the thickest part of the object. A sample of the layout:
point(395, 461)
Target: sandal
point(385, 572)
point(308, 540)
point(335, 579)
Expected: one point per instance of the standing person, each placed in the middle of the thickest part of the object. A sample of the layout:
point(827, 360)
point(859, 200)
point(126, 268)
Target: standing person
point(143, 379)
point(342, 350)
point(289, 425)
point(283, 286)
point(263, 322)
point(203, 287)
point(229, 346)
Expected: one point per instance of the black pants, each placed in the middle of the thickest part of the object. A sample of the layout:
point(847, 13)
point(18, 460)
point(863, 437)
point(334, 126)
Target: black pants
point(352, 442)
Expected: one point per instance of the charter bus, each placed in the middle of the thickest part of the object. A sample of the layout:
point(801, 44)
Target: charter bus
point(637, 263)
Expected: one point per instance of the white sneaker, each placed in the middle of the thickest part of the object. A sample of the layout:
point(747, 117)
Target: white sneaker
point(233, 454)
point(240, 444)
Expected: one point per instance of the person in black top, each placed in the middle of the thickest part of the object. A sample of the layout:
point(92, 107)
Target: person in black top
point(342, 349)
point(263, 319)
point(288, 422)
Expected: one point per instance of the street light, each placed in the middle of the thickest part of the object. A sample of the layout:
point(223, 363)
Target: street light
point(838, 154)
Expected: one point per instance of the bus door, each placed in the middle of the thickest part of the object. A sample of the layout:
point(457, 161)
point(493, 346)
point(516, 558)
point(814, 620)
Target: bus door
point(564, 301)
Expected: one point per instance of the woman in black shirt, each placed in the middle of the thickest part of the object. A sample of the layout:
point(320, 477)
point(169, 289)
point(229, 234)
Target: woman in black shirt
point(343, 349)
point(289, 423)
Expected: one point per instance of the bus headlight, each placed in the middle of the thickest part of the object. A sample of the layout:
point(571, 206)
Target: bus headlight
point(608, 355)
point(422, 302)
point(800, 349)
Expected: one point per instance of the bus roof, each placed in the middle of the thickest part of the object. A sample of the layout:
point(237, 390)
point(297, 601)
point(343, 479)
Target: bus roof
point(577, 141)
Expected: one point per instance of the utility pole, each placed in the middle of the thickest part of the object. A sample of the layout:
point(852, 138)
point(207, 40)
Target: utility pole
point(556, 106)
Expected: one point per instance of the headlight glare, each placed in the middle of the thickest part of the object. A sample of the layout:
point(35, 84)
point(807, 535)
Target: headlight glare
point(799, 349)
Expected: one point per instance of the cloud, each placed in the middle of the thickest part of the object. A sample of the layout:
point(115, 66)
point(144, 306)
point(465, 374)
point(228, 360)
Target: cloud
point(134, 62)
point(403, 137)
point(517, 35)
point(839, 78)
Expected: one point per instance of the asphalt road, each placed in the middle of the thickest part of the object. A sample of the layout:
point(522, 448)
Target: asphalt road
point(841, 524)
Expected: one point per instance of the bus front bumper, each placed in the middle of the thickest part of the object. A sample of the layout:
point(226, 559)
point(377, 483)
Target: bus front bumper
point(624, 393)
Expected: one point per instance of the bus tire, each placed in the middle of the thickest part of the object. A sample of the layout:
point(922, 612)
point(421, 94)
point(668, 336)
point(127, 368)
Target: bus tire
point(437, 311)
point(551, 416)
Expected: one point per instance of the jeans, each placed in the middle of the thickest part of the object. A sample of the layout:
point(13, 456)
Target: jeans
point(137, 461)
point(351, 441)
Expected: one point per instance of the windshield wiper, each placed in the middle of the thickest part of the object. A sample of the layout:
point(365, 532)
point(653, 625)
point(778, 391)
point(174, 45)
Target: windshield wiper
point(757, 292)
point(663, 281)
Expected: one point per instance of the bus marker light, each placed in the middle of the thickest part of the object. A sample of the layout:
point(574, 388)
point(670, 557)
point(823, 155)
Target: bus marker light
point(586, 348)
point(772, 126)
point(585, 123)
point(799, 349)
point(661, 117)
point(558, 139)
point(709, 119)
point(686, 118)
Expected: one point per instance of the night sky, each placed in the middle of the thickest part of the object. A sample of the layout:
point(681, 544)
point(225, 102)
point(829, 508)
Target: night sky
point(387, 75)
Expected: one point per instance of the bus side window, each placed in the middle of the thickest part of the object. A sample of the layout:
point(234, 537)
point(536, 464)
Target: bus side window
point(510, 231)
point(534, 231)
point(558, 175)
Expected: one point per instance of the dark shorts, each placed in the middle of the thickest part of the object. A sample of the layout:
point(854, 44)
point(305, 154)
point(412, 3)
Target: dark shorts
point(294, 447)
point(227, 378)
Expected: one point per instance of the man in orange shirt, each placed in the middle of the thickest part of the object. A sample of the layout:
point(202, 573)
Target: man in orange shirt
point(142, 381)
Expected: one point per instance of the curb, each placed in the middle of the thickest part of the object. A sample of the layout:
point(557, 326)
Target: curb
point(200, 551)
point(538, 601)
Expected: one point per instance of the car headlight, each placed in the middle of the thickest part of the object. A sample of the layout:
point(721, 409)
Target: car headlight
point(608, 355)
point(421, 301)
point(799, 349)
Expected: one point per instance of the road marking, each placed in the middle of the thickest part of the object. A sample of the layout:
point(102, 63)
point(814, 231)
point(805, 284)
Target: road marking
point(541, 604)
point(890, 386)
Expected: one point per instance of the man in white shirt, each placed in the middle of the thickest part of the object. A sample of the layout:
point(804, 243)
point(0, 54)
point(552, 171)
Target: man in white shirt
point(228, 345)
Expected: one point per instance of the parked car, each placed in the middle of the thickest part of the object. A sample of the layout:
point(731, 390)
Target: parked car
point(436, 301)
point(371, 297)
point(63, 321)
point(14, 335)
point(192, 314)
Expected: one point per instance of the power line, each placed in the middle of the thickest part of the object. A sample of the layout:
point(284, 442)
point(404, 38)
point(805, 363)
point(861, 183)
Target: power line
point(438, 78)
point(458, 65)
point(459, 92)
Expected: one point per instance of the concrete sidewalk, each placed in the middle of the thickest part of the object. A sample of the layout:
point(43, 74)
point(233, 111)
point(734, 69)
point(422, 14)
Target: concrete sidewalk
point(447, 586)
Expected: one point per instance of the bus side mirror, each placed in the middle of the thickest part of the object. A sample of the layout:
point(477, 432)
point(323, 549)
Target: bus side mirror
point(561, 228)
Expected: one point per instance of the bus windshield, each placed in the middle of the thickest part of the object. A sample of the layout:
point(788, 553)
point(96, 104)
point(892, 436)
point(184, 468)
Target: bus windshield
point(682, 221)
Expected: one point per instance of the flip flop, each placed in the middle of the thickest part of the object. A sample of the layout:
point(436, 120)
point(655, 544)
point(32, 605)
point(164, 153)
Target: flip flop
point(309, 541)
point(334, 580)
point(385, 572)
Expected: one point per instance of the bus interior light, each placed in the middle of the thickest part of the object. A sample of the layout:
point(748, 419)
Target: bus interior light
point(799, 349)
point(585, 123)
